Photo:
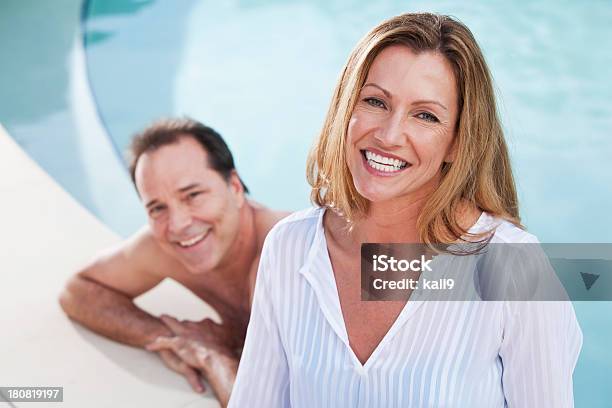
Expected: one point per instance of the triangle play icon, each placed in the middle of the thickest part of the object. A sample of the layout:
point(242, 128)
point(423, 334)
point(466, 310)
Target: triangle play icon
point(588, 279)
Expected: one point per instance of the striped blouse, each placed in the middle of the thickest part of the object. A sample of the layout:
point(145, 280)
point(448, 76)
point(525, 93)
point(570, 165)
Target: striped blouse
point(436, 354)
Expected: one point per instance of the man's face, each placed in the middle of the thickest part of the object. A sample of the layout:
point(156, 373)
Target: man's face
point(193, 211)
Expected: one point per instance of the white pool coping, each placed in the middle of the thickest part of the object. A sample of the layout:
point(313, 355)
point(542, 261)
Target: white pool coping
point(45, 236)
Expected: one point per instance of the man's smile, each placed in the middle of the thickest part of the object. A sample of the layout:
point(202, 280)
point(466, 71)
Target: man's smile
point(190, 242)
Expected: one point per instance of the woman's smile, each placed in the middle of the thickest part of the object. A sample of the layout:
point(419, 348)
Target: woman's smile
point(382, 164)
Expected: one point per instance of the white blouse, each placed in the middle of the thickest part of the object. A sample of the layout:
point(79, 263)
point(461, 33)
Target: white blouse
point(436, 354)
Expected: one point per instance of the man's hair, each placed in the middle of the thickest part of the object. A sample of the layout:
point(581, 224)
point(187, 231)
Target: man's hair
point(168, 131)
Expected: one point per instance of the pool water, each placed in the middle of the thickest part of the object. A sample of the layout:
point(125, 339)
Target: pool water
point(262, 73)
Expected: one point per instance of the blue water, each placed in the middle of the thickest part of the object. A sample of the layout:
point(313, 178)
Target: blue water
point(262, 72)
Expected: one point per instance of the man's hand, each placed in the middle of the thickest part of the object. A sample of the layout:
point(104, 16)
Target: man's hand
point(174, 363)
point(203, 346)
point(196, 343)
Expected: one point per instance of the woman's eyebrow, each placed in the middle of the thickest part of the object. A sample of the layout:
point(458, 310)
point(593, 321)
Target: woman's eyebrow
point(425, 101)
point(419, 102)
point(387, 93)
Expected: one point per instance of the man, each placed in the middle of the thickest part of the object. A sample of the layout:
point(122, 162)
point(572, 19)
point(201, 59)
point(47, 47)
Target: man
point(203, 233)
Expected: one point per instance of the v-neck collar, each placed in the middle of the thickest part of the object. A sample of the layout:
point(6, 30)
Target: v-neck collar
point(317, 270)
point(319, 273)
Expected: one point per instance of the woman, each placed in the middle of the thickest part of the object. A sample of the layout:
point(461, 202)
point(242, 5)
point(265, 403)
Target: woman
point(411, 151)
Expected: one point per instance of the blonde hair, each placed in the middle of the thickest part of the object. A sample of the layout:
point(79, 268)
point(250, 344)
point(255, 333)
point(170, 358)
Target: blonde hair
point(480, 173)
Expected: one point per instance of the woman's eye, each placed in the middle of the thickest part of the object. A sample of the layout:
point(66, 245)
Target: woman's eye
point(428, 117)
point(377, 103)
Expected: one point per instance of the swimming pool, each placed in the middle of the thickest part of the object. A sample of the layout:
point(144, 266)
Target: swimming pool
point(262, 72)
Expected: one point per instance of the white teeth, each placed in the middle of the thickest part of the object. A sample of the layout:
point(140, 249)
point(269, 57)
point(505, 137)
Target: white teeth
point(383, 163)
point(192, 241)
point(382, 167)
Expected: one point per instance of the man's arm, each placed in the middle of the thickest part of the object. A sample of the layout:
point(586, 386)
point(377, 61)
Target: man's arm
point(100, 297)
point(109, 312)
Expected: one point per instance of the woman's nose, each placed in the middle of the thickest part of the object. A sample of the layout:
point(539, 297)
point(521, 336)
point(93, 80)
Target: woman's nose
point(393, 132)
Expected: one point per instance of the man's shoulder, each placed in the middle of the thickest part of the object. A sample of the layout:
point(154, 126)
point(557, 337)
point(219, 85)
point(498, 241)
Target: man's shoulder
point(140, 243)
point(143, 252)
point(266, 218)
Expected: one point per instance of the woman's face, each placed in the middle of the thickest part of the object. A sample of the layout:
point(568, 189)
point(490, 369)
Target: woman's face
point(402, 128)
